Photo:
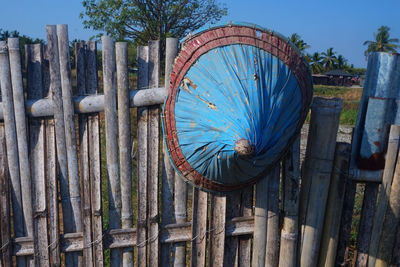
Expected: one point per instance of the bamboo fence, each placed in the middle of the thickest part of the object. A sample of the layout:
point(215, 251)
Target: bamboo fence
point(53, 182)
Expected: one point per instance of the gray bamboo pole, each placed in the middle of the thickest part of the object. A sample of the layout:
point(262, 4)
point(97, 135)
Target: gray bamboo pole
point(291, 181)
point(142, 117)
point(20, 123)
point(199, 228)
point(167, 203)
point(260, 222)
point(124, 129)
point(153, 155)
point(366, 220)
point(384, 193)
point(391, 221)
point(70, 136)
point(51, 171)
point(55, 87)
point(12, 149)
point(34, 61)
point(180, 205)
point(231, 254)
point(80, 58)
point(334, 206)
point(246, 209)
point(110, 112)
point(318, 167)
point(273, 234)
point(94, 152)
point(217, 230)
point(5, 219)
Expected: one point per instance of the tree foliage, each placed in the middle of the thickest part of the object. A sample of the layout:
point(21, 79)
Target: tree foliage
point(298, 42)
point(143, 20)
point(382, 42)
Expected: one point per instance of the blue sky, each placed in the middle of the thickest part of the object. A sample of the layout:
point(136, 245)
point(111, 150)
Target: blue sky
point(343, 25)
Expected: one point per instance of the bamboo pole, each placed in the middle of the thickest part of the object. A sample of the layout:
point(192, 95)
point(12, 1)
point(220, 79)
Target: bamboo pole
point(153, 154)
point(231, 254)
point(80, 58)
point(273, 234)
point(217, 232)
point(199, 228)
point(391, 221)
point(260, 222)
point(20, 124)
point(34, 61)
point(318, 166)
point(124, 129)
point(246, 209)
point(5, 220)
point(384, 193)
point(168, 172)
point(291, 181)
point(335, 204)
point(110, 112)
point(94, 151)
point(180, 205)
point(142, 117)
point(51, 171)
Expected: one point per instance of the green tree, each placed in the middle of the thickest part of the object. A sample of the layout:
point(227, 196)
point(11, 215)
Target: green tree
point(329, 59)
point(144, 20)
point(298, 42)
point(341, 62)
point(316, 63)
point(382, 42)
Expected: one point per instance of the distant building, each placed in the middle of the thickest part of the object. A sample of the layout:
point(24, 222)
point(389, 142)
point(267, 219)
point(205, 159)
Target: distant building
point(334, 77)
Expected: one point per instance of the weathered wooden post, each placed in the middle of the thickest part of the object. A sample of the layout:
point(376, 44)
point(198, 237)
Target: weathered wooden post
point(316, 178)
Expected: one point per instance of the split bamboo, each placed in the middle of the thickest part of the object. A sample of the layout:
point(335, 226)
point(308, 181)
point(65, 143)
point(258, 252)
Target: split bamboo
point(124, 129)
point(111, 129)
point(80, 58)
point(384, 193)
point(34, 62)
point(231, 254)
point(335, 204)
point(142, 118)
point(5, 219)
point(324, 124)
point(199, 228)
point(153, 155)
point(291, 182)
point(246, 209)
point(273, 234)
point(217, 230)
point(391, 221)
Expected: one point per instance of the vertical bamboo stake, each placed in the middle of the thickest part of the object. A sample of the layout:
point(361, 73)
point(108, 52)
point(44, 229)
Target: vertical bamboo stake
point(217, 232)
point(384, 193)
point(110, 112)
point(366, 220)
point(20, 123)
point(289, 234)
point(391, 221)
point(80, 63)
point(260, 222)
point(335, 204)
point(231, 255)
point(199, 228)
point(94, 151)
point(5, 218)
point(55, 87)
point(318, 166)
point(51, 171)
point(167, 203)
point(124, 129)
point(246, 209)
point(34, 61)
point(272, 243)
point(12, 149)
point(180, 205)
point(142, 117)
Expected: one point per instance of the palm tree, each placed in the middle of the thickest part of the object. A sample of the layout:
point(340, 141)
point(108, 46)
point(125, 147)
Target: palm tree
point(316, 66)
point(382, 42)
point(329, 59)
point(298, 42)
point(341, 62)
